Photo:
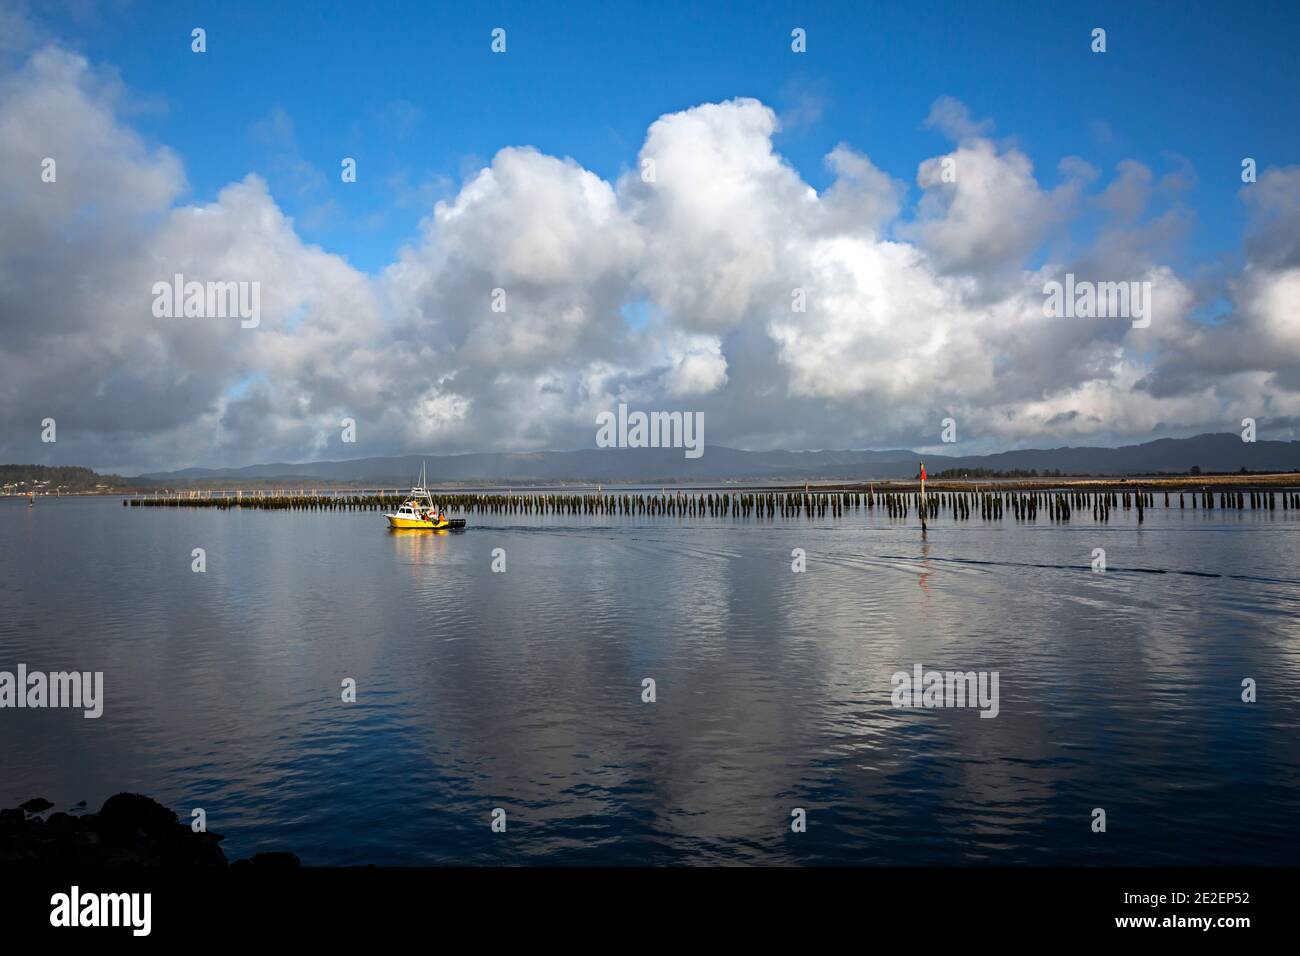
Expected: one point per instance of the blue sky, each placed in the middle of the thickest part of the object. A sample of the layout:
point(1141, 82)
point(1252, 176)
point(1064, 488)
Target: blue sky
point(924, 296)
point(412, 91)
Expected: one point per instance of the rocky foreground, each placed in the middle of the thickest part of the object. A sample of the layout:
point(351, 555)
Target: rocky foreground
point(130, 830)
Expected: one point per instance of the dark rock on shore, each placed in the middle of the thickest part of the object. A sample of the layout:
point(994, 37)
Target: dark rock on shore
point(278, 860)
point(130, 830)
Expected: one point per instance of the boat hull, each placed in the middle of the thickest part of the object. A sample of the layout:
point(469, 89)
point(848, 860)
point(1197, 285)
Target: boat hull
point(421, 524)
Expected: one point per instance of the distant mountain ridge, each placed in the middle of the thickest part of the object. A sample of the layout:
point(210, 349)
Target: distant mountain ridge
point(1210, 453)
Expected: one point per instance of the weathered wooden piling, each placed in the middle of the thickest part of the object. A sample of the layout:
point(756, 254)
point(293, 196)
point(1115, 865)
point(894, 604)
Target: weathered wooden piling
point(1059, 504)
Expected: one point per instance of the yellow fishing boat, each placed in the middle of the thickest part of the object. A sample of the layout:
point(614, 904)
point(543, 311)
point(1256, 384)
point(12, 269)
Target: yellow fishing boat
point(418, 512)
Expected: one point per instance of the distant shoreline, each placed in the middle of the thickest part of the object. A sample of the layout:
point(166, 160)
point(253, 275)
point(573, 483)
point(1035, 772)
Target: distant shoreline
point(1269, 480)
point(1211, 457)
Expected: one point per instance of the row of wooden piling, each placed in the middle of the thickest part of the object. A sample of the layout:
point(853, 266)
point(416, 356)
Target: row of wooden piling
point(1052, 504)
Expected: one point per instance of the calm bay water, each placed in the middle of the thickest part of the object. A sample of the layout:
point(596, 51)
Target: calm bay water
point(522, 690)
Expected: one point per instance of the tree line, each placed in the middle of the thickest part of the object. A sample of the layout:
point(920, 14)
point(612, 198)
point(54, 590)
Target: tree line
point(67, 477)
